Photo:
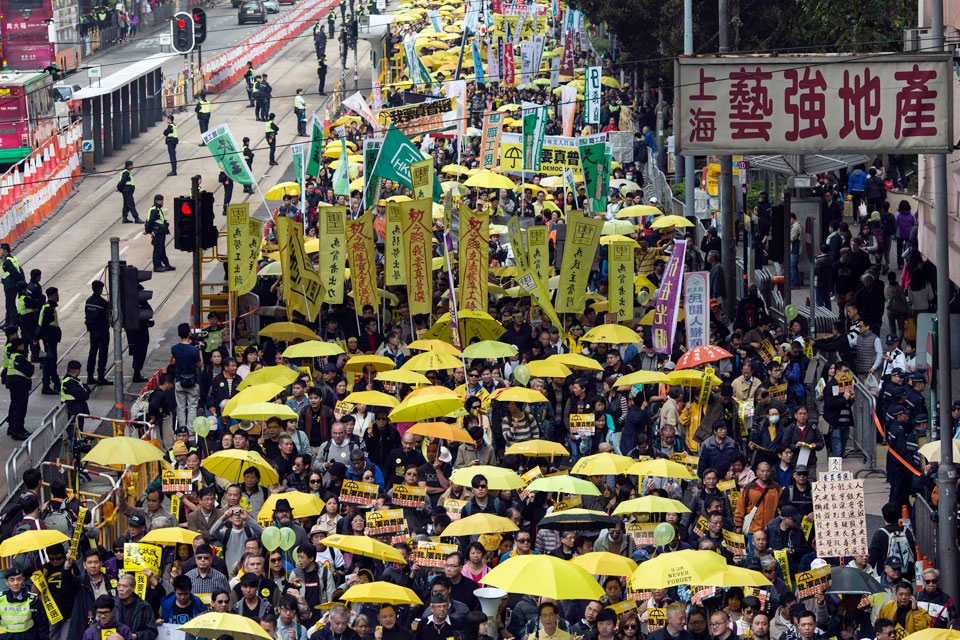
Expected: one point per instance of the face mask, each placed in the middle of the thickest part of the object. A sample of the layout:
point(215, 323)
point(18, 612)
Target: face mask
point(774, 419)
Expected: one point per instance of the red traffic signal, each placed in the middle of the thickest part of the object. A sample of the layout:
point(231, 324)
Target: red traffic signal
point(185, 209)
point(181, 23)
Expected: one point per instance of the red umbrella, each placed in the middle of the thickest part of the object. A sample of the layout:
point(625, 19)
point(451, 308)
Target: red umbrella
point(702, 355)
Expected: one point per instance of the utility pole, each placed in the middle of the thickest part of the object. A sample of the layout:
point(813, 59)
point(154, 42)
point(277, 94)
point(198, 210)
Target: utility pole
point(947, 556)
point(197, 250)
point(727, 243)
point(117, 323)
point(688, 166)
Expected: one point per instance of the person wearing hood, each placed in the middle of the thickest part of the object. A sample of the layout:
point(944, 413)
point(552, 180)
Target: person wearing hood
point(182, 605)
point(478, 452)
point(856, 187)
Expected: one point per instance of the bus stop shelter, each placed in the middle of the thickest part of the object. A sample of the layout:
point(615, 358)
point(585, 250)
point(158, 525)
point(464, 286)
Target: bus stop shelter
point(123, 105)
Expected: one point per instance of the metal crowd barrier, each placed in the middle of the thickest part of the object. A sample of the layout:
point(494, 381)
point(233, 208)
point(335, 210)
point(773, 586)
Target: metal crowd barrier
point(863, 435)
point(32, 452)
point(925, 529)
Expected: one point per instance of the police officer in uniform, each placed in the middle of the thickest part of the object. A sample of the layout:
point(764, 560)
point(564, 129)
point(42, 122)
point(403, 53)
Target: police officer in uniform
point(332, 20)
point(300, 110)
point(158, 227)
point(902, 439)
point(271, 131)
point(97, 320)
point(203, 114)
point(319, 38)
point(213, 340)
point(27, 313)
point(322, 72)
point(227, 190)
point(18, 373)
point(172, 139)
point(916, 404)
point(263, 101)
point(21, 613)
point(74, 393)
point(35, 299)
point(138, 341)
point(11, 274)
point(249, 76)
point(248, 157)
point(126, 188)
point(50, 335)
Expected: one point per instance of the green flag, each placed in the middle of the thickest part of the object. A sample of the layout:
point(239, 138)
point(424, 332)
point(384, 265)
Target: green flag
point(341, 177)
point(297, 150)
point(534, 133)
point(593, 159)
point(396, 156)
point(221, 143)
point(316, 148)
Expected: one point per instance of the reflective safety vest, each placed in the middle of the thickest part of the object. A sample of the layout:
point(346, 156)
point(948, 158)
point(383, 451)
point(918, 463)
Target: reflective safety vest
point(6, 357)
point(173, 131)
point(161, 219)
point(48, 309)
point(64, 396)
point(15, 617)
point(129, 175)
point(204, 105)
point(299, 103)
point(22, 307)
point(16, 263)
point(214, 339)
point(268, 127)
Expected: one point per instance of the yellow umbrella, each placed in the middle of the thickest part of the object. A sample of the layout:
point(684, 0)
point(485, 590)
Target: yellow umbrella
point(537, 449)
point(288, 332)
point(489, 349)
point(546, 576)
point(31, 541)
point(424, 407)
point(123, 450)
point(256, 393)
point(379, 363)
point(508, 107)
point(402, 377)
point(661, 468)
point(604, 563)
point(518, 394)
point(670, 221)
point(690, 378)
point(642, 377)
point(607, 81)
point(677, 568)
point(170, 536)
point(931, 450)
point(230, 464)
point(474, 324)
point(372, 399)
point(282, 189)
point(735, 577)
point(455, 170)
point(650, 504)
point(302, 505)
point(439, 346)
point(478, 524)
point(356, 185)
point(576, 361)
point(433, 390)
point(617, 227)
point(602, 464)
point(490, 180)
point(312, 349)
point(498, 478)
point(647, 320)
point(440, 430)
point(276, 374)
point(380, 592)
point(364, 546)
point(612, 239)
point(639, 210)
point(611, 334)
point(400, 198)
point(564, 484)
point(432, 361)
point(548, 369)
point(214, 625)
point(931, 633)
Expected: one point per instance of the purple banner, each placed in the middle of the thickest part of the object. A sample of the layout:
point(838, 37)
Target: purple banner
point(668, 301)
point(455, 336)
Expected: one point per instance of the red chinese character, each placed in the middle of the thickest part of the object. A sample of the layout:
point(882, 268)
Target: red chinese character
point(915, 105)
point(704, 79)
point(703, 125)
point(806, 102)
point(750, 104)
point(861, 104)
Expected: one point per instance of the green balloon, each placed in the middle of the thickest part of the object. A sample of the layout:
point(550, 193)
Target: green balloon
point(522, 374)
point(643, 297)
point(271, 538)
point(663, 534)
point(201, 426)
point(790, 311)
point(287, 538)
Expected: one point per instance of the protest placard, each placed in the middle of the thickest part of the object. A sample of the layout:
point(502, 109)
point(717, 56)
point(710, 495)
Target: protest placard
point(389, 521)
point(355, 492)
point(433, 554)
point(175, 480)
point(404, 496)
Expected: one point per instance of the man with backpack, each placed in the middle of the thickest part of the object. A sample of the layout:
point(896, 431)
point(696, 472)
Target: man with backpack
point(233, 531)
point(188, 362)
point(893, 540)
point(481, 501)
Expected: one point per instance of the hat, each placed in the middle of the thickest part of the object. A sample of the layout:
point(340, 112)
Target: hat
point(784, 346)
point(956, 405)
point(436, 598)
point(896, 410)
point(790, 511)
point(356, 454)
point(328, 368)
point(337, 469)
point(918, 376)
point(817, 563)
point(892, 338)
point(893, 562)
point(179, 449)
point(181, 429)
point(282, 505)
point(897, 371)
point(653, 200)
point(669, 365)
point(136, 520)
point(801, 468)
point(317, 528)
point(13, 572)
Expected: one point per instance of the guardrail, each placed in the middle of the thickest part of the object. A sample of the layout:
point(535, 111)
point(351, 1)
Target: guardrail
point(863, 435)
point(32, 452)
point(925, 527)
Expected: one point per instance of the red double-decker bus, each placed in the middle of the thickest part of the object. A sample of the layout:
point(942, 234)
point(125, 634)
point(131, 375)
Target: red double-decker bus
point(25, 27)
point(27, 113)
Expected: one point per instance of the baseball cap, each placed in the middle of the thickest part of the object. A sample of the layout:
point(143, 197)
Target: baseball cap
point(790, 511)
point(897, 371)
point(328, 367)
point(317, 528)
point(893, 562)
point(892, 338)
point(956, 405)
point(137, 520)
point(801, 468)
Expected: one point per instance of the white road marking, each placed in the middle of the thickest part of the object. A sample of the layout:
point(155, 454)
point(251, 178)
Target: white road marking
point(124, 250)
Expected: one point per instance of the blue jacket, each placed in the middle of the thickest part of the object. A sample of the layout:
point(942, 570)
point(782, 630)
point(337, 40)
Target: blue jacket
point(166, 608)
point(857, 181)
point(377, 474)
point(650, 140)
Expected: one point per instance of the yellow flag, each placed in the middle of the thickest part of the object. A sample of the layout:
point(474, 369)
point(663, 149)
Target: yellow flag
point(535, 287)
point(395, 270)
point(516, 243)
point(363, 261)
point(580, 246)
point(474, 259)
point(49, 605)
point(418, 239)
point(301, 283)
point(538, 251)
point(333, 252)
point(243, 247)
point(421, 179)
point(620, 280)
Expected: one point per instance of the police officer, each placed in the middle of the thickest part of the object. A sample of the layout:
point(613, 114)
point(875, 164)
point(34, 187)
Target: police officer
point(332, 20)
point(227, 190)
point(74, 393)
point(263, 102)
point(19, 371)
point(213, 339)
point(271, 131)
point(248, 158)
point(96, 317)
point(11, 274)
point(916, 404)
point(139, 341)
point(126, 188)
point(902, 440)
point(35, 299)
point(50, 335)
point(203, 114)
point(319, 38)
point(248, 76)
point(172, 138)
point(158, 227)
point(255, 94)
point(321, 72)
point(10, 332)
point(27, 314)
point(21, 614)
point(300, 110)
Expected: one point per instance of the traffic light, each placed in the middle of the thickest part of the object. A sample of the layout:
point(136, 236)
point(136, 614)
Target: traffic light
point(181, 32)
point(184, 224)
point(208, 225)
point(199, 25)
point(132, 296)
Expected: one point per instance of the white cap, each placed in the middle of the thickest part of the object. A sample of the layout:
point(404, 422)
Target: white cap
point(817, 563)
point(653, 199)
